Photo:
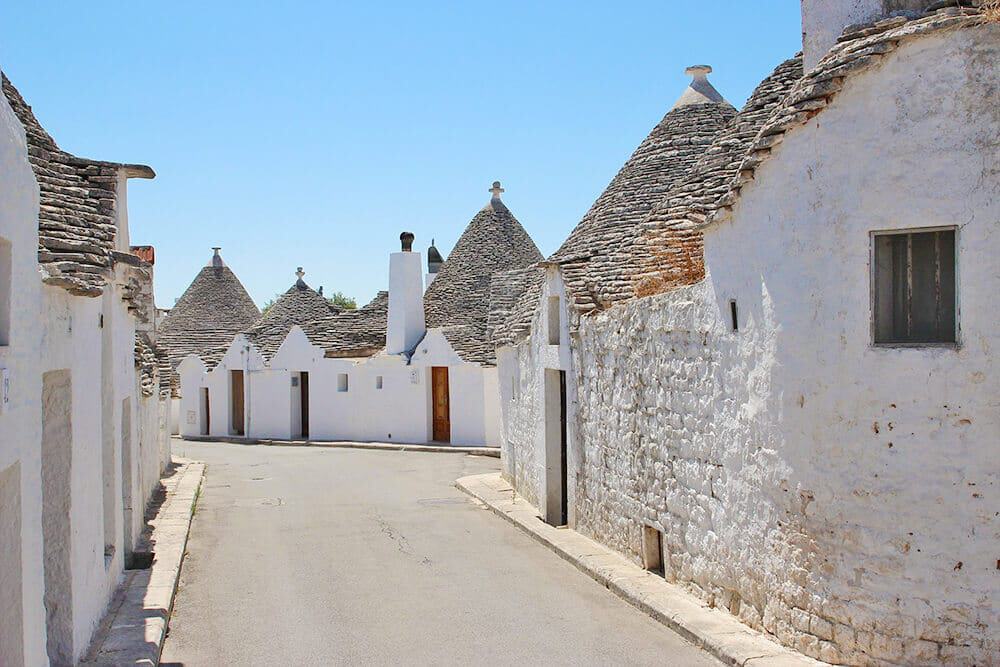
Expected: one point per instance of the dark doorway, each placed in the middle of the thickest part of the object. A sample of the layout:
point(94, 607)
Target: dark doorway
point(441, 403)
point(556, 472)
point(563, 478)
point(236, 394)
point(304, 398)
point(206, 415)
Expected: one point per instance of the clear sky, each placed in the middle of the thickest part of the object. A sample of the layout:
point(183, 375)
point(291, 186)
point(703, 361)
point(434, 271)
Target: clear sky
point(312, 133)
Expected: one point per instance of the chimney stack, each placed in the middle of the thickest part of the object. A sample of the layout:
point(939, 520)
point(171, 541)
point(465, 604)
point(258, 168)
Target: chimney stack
point(405, 326)
point(434, 262)
point(823, 21)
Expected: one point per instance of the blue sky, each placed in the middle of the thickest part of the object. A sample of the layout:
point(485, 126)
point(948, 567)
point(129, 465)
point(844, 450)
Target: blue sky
point(313, 133)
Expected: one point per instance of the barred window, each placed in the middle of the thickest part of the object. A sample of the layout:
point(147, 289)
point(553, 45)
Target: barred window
point(914, 287)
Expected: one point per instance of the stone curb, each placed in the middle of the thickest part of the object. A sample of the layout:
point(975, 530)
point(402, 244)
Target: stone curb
point(493, 452)
point(134, 628)
point(715, 631)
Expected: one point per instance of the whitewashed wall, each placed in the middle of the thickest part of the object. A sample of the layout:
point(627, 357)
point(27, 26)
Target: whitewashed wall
point(71, 324)
point(22, 616)
point(399, 411)
point(521, 379)
point(840, 496)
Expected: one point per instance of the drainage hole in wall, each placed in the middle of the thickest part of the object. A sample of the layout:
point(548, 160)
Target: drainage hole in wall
point(140, 560)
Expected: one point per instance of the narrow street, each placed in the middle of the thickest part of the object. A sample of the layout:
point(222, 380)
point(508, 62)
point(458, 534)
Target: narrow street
point(313, 556)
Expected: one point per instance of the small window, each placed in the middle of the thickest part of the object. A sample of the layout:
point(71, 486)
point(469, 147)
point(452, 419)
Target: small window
point(553, 320)
point(342, 382)
point(734, 315)
point(914, 287)
point(378, 381)
point(5, 289)
point(295, 380)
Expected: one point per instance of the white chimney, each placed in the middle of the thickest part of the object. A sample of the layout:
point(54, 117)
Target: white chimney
point(406, 325)
point(823, 21)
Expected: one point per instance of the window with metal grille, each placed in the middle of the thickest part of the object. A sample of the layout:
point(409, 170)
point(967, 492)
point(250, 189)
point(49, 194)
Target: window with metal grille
point(914, 287)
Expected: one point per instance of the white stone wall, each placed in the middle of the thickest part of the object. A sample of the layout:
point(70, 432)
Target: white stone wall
point(838, 495)
point(823, 21)
point(398, 411)
point(22, 623)
point(51, 330)
point(521, 378)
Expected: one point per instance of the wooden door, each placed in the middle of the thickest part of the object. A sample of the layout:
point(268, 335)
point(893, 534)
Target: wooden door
point(441, 401)
point(236, 393)
point(304, 397)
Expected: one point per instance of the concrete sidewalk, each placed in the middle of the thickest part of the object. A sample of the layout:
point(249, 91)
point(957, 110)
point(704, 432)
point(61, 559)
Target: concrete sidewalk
point(133, 629)
point(717, 632)
point(389, 446)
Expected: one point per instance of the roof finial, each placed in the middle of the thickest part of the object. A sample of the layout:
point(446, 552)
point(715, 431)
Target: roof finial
point(298, 274)
point(496, 190)
point(217, 258)
point(698, 71)
point(700, 90)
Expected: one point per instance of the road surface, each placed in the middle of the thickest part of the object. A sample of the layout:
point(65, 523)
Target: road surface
point(313, 556)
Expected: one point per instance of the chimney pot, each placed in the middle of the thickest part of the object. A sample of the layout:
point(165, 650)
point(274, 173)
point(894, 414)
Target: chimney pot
point(406, 241)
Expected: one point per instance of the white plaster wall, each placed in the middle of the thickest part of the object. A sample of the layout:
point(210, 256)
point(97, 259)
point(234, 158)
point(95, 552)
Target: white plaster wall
point(192, 375)
point(399, 411)
point(175, 416)
point(521, 379)
point(840, 496)
point(823, 21)
point(71, 324)
point(271, 404)
point(491, 406)
point(20, 418)
point(395, 413)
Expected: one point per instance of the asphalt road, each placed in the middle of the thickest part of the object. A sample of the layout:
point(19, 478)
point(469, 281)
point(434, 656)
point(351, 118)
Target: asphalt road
point(312, 556)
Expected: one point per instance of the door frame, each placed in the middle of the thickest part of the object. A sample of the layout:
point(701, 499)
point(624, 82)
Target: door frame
point(237, 428)
point(440, 381)
point(304, 404)
point(205, 425)
point(556, 508)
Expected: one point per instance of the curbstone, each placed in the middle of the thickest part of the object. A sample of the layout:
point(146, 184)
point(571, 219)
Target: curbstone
point(493, 452)
point(717, 632)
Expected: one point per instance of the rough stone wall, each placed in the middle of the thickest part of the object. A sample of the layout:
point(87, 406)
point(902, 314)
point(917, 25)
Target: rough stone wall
point(521, 401)
point(838, 495)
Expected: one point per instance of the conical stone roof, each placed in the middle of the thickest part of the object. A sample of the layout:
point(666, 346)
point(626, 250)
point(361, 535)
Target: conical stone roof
point(667, 249)
point(300, 305)
point(459, 298)
point(213, 309)
point(77, 198)
point(664, 156)
point(589, 257)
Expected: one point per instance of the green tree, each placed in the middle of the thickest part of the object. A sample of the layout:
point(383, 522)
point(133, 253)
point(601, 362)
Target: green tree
point(342, 301)
point(268, 304)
